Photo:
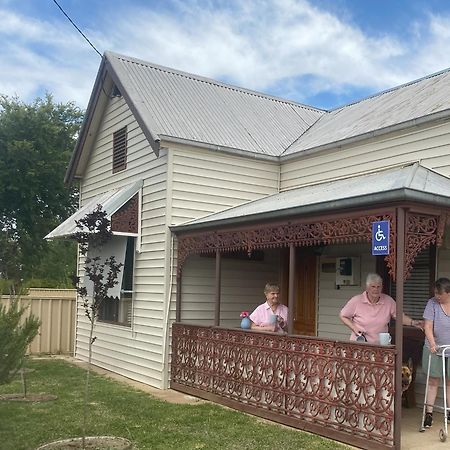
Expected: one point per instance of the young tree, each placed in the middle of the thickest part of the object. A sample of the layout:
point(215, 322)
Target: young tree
point(16, 334)
point(36, 141)
point(94, 232)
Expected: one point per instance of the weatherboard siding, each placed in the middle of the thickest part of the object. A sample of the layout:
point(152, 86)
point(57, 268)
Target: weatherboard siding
point(136, 351)
point(331, 299)
point(205, 182)
point(430, 145)
point(242, 287)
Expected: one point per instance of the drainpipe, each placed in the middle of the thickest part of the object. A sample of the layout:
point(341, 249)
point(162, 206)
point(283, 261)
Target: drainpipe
point(400, 265)
point(291, 298)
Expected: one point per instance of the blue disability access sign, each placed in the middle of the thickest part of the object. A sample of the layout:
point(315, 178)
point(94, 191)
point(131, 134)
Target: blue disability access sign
point(380, 238)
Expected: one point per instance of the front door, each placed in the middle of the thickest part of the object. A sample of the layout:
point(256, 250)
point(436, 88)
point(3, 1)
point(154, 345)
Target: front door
point(305, 303)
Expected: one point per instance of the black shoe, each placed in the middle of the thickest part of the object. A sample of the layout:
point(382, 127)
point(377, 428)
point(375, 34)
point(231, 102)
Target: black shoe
point(428, 421)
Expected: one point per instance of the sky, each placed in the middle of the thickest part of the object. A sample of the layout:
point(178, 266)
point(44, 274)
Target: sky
point(323, 53)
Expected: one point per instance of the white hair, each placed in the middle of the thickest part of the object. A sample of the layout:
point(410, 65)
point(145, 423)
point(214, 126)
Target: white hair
point(373, 277)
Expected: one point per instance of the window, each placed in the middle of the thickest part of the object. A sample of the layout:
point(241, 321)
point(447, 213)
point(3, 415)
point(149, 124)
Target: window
point(417, 287)
point(125, 309)
point(119, 150)
point(119, 311)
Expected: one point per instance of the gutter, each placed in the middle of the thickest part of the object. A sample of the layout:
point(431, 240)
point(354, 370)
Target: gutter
point(441, 115)
point(398, 195)
point(220, 148)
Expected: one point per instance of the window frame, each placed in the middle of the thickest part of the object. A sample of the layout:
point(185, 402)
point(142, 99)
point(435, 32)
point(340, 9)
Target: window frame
point(113, 311)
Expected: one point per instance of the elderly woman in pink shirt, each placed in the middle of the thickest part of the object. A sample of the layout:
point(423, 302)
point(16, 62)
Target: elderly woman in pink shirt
point(271, 315)
point(369, 313)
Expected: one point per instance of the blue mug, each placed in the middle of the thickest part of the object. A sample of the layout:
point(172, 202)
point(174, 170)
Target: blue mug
point(273, 318)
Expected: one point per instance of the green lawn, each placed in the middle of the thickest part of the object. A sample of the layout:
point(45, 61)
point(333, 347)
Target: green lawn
point(119, 410)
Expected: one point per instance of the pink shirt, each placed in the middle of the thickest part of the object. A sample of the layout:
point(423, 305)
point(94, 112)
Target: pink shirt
point(262, 314)
point(373, 318)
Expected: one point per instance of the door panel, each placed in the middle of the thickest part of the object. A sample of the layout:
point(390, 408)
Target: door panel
point(305, 303)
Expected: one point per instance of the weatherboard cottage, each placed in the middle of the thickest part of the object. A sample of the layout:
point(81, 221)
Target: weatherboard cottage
point(213, 190)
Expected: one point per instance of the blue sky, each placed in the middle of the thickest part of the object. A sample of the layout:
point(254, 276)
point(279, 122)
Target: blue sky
point(324, 53)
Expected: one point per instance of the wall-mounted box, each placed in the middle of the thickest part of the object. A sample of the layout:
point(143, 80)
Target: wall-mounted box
point(348, 271)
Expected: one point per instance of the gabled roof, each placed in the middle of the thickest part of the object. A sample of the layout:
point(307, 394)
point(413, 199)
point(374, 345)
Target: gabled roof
point(421, 100)
point(173, 105)
point(410, 183)
point(181, 105)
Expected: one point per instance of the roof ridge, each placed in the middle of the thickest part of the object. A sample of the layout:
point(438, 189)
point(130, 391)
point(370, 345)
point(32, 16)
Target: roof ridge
point(392, 89)
point(212, 81)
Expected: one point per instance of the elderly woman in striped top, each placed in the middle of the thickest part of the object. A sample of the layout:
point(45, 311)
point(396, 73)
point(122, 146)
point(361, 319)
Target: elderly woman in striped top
point(437, 333)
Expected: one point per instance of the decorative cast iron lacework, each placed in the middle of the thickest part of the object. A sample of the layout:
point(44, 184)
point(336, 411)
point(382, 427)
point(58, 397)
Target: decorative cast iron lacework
point(126, 218)
point(339, 389)
point(339, 231)
point(422, 230)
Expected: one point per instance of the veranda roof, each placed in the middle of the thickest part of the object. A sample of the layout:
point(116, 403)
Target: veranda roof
point(410, 183)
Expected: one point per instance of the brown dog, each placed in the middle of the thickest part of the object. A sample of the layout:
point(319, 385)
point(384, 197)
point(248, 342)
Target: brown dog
point(407, 379)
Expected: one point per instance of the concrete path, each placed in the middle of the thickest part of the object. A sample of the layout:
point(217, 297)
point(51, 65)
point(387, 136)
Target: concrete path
point(429, 439)
point(168, 395)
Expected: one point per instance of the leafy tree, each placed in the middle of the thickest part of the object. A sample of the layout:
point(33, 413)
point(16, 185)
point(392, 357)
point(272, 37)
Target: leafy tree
point(16, 334)
point(36, 141)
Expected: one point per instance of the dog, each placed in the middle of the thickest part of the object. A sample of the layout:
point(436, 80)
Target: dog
point(408, 397)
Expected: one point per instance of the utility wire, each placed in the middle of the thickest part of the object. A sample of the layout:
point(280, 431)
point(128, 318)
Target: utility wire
point(79, 31)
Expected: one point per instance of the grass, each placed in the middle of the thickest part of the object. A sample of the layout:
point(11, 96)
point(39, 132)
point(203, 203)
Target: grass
point(120, 410)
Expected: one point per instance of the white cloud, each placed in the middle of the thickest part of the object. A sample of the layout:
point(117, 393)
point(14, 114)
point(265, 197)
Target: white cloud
point(290, 47)
point(260, 44)
point(433, 49)
point(41, 56)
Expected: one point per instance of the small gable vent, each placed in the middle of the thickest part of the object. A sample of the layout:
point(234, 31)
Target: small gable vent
point(120, 150)
point(115, 92)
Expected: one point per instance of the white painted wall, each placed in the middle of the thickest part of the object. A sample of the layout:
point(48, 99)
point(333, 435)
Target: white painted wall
point(331, 300)
point(205, 182)
point(430, 145)
point(134, 352)
point(242, 287)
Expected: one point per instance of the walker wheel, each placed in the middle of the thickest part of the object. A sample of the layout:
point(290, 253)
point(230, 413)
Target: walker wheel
point(442, 435)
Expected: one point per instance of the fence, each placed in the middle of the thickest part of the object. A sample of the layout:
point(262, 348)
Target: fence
point(341, 390)
point(55, 308)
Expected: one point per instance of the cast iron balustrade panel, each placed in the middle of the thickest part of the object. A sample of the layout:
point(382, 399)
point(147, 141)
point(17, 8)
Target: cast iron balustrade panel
point(337, 389)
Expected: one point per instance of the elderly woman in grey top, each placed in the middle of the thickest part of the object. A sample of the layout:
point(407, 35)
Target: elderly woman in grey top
point(437, 333)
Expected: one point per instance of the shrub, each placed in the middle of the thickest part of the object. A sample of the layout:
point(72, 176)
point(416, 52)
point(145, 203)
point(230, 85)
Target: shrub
point(16, 334)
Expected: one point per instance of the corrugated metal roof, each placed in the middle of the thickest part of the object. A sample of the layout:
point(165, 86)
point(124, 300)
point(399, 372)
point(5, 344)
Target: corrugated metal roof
point(111, 201)
point(413, 182)
point(185, 106)
point(425, 97)
point(178, 106)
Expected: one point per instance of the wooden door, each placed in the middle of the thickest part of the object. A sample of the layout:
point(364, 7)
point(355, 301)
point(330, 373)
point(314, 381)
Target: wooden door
point(305, 303)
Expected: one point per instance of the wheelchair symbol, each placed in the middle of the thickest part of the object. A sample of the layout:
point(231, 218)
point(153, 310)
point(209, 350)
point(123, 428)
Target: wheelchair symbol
point(379, 235)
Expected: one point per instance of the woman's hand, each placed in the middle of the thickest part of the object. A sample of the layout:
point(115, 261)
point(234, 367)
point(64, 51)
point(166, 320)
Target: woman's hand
point(281, 322)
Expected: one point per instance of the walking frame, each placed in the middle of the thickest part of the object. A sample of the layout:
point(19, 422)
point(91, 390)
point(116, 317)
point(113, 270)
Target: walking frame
point(443, 351)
